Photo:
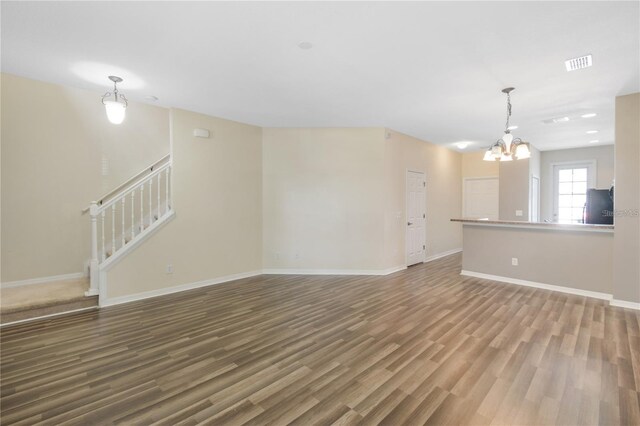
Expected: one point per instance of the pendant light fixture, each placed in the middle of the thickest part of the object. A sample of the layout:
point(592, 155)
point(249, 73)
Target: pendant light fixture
point(507, 148)
point(115, 108)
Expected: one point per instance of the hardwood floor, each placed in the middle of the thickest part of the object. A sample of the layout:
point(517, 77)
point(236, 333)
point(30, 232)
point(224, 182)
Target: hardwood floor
point(420, 346)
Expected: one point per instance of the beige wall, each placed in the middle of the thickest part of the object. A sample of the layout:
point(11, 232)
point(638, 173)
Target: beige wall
point(334, 199)
point(603, 155)
point(474, 166)
point(217, 196)
point(626, 272)
point(581, 260)
point(514, 189)
point(322, 198)
point(59, 152)
point(443, 169)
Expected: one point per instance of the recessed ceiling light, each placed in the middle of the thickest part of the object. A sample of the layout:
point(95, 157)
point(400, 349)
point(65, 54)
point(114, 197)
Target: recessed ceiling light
point(512, 127)
point(594, 141)
point(305, 45)
point(591, 114)
point(462, 145)
point(560, 119)
point(578, 63)
point(151, 98)
point(592, 132)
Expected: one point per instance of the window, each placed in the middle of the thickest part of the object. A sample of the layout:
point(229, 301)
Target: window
point(572, 194)
point(571, 182)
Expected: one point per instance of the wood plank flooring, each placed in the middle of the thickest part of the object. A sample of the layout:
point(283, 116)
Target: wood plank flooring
point(420, 346)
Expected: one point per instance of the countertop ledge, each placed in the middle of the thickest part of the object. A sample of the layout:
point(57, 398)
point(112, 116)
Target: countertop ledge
point(539, 225)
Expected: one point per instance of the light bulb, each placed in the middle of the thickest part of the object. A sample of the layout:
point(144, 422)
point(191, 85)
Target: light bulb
point(488, 155)
point(522, 151)
point(115, 111)
point(496, 151)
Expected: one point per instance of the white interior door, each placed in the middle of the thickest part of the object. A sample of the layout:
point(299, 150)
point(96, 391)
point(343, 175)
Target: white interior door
point(480, 199)
point(416, 217)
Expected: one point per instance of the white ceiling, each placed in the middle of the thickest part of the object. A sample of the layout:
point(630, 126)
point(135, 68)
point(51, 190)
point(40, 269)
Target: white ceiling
point(432, 70)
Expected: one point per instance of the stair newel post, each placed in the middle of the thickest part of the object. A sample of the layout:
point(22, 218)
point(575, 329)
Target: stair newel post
point(158, 183)
point(93, 268)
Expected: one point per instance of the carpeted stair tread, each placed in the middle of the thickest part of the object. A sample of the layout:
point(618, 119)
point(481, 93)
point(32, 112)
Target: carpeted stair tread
point(37, 296)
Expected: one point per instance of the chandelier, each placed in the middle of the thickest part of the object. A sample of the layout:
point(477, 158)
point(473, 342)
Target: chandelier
point(507, 148)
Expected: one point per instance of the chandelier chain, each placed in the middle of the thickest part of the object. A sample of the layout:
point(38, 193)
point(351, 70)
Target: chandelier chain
point(508, 112)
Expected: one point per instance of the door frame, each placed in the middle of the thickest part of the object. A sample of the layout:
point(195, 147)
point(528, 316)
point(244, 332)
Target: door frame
point(592, 179)
point(464, 189)
point(406, 214)
point(533, 196)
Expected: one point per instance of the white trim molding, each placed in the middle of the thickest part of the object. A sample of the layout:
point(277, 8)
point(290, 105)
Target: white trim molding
point(105, 301)
point(443, 254)
point(57, 314)
point(41, 280)
point(561, 289)
point(569, 290)
point(275, 271)
point(625, 304)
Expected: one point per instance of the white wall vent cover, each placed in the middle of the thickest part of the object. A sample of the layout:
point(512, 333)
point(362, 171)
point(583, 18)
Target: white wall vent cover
point(578, 63)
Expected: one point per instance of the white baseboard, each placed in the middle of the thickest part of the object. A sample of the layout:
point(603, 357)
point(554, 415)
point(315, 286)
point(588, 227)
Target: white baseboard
point(394, 269)
point(561, 289)
point(443, 254)
point(57, 314)
point(104, 301)
point(625, 304)
point(75, 275)
point(285, 271)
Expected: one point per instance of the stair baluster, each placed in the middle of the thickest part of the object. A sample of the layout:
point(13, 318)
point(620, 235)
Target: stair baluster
point(166, 200)
point(141, 208)
point(150, 201)
point(133, 220)
point(104, 252)
point(113, 229)
point(123, 229)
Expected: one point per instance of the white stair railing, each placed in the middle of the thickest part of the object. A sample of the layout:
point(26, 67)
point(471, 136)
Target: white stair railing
point(125, 217)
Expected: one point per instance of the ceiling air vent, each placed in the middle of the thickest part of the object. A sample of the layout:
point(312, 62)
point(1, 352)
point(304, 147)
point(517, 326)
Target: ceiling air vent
point(578, 63)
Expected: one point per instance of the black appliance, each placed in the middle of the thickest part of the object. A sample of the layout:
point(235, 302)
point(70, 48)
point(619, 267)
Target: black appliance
point(599, 206)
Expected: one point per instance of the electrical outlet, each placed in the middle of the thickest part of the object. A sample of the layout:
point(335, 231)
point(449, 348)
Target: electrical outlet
point(514, 261)
point(518, 212)
point(169, 269)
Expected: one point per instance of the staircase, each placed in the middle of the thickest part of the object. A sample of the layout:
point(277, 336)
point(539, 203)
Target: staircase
point(120, 220)
point(124, 217)
point(45, 299)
